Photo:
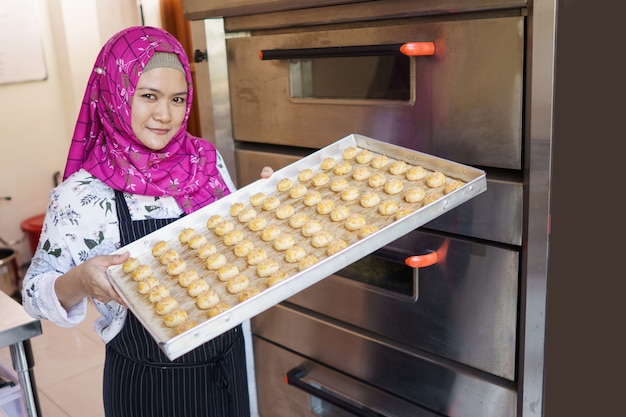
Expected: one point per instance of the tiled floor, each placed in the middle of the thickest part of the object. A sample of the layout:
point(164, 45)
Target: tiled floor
point(68, 369)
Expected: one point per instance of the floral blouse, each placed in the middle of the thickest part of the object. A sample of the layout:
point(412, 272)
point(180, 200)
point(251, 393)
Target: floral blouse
point(81, 222)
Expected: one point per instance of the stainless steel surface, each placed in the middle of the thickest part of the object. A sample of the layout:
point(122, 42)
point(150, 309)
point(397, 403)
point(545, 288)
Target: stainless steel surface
point(466, 309)
point(467, 104)
point(286, 400)
point(449, 389)
point(252, 159)
point(390, 229)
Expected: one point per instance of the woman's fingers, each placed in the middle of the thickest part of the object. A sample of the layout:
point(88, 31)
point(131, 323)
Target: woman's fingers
point(266, 172)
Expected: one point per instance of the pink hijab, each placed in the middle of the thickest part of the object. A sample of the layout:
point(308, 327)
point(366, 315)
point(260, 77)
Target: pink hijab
point(104, 143)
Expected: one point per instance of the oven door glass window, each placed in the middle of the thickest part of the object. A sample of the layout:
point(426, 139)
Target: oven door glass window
point(352, 78)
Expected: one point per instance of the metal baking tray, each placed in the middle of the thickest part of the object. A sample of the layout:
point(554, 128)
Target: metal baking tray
point(390, 228)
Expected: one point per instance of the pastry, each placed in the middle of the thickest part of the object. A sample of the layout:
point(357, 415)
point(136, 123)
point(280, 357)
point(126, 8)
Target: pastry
point(187, 277)
point(306, 262)
point(320, 179)
point(284, 211)
point(176, 267)
point(451, 186)
point(197, 241)
point(340, 213)
point(168, 256)
point(248, 293)
point(158, 293)
point(355, 222)
point(141, 272)
point(283, 242)
point(257, 199)
point(310, 228)
point(370, 199)
point(387, 207)
point(364, 157)
point(431, 197)
point(379, 161)
point(270, 233)
point(343, 168)
point(266, 268)
point(223, 228)
point(305, 175)
point(339, 184)
point(435, 179)
point(350, 194)
point(270, 203)
point(335, 246)
point(236, 209)
point(185, 234)
point(350, 152)
point(159, 248)
point(276, 277)
point(226, 272)
point(298, 220)
point(256, 256)
point(321, 239)
point(393, 186)
point(218, 308)
point(416, 173)
point(284, 185)
point(295, 254)
point(206, 250)
point(144, 286)
point(214, 221)
point(246, 215)
point(215, 262)
point(414, 195)
point(312, 198)
point(398, 167)
point(237, 284)
point(165, 306)
point(327, 164)
point(376, 180)
point(298, 191)
point(130, 265)
point(361, 173)
point(197, 287)
point(243, 248)
point(207, 300)
point(325, 206)
point(186, 325)
point(175, 318)
point(403, 211)
point(257, 224)
point(233, 237)
point(367, 230)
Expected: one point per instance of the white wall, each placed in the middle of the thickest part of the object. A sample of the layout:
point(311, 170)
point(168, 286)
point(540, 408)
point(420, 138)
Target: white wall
point(37, 117)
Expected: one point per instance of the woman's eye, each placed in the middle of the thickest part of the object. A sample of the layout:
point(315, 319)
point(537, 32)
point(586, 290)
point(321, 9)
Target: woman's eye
point(148, 96)
point(179, 100)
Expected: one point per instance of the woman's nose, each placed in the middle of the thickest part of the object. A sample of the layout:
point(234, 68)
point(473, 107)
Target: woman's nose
point(162, 112)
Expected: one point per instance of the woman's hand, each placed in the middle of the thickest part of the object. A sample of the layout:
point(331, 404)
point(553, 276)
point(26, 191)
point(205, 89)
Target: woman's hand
point(89, 279)
point(266, 172)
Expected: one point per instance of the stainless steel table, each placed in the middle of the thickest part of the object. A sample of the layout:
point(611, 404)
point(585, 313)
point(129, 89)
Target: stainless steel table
point(16, 330)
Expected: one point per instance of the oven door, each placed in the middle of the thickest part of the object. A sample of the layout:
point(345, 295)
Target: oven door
point(463, 102)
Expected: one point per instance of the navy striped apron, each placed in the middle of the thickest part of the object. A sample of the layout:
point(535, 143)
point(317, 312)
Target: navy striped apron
point(139, 380)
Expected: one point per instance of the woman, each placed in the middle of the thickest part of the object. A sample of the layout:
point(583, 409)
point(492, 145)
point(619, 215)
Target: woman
point(133, 168)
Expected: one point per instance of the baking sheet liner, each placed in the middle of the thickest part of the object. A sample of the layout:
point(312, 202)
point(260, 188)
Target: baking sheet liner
point(390, 228)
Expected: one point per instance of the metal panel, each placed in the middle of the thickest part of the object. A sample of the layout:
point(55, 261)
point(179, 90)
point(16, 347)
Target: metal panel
point(467, 103)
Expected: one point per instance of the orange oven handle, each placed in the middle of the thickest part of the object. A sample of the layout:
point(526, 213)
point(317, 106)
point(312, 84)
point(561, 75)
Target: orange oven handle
point(428, 259)
point(407, 48)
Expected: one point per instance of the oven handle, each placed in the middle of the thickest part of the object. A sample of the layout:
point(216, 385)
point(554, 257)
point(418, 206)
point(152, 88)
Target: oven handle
point(431, 258)
point(407, 48)
point(294, 378)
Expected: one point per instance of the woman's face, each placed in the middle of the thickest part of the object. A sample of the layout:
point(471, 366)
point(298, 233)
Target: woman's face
point(158, 107)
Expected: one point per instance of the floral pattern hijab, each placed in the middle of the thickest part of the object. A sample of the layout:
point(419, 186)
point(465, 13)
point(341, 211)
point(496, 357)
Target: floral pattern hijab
point(104, 143)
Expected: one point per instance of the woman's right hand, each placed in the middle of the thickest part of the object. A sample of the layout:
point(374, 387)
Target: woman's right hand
point(89, 279)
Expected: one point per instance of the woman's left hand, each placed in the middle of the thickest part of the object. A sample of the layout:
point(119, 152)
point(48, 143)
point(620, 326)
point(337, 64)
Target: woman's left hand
point(266, 172)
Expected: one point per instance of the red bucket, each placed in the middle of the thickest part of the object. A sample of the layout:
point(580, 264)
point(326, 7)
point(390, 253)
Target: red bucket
point(32, 227)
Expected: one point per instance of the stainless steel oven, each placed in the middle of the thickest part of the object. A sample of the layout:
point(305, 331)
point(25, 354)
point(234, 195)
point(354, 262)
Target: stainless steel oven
point(459, 332)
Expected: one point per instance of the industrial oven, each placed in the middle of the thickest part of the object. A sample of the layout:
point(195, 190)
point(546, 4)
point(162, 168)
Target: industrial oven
point(462, 336)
